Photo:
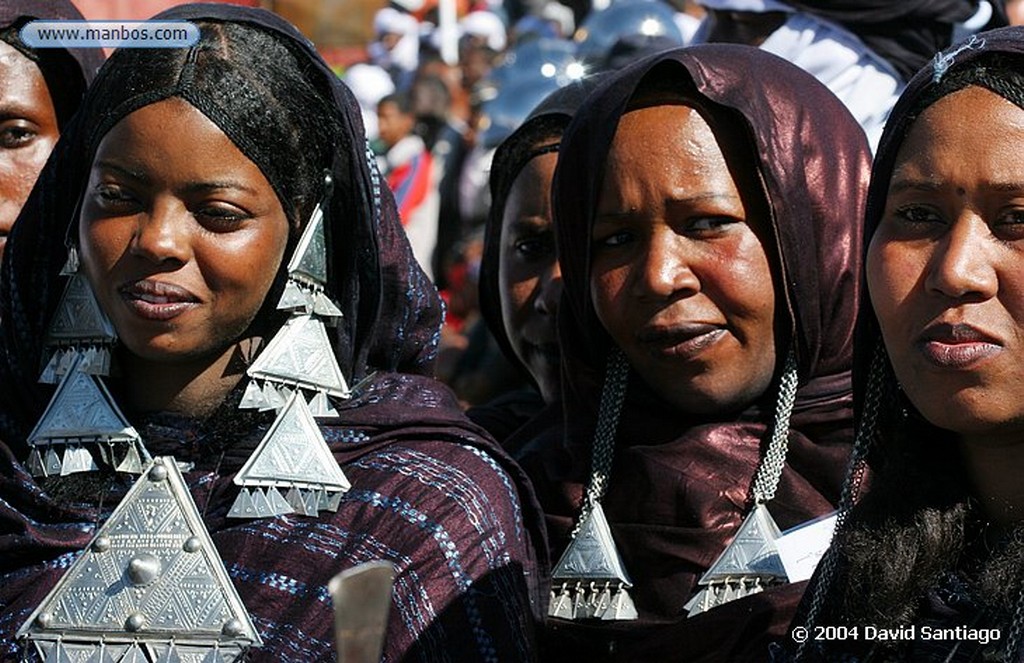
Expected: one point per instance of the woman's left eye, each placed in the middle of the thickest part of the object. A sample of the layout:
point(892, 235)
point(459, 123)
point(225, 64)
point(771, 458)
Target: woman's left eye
point(220, 218)
point(1010, 224)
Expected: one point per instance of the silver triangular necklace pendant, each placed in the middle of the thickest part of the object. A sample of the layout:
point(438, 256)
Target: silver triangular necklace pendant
point(126, 588)
point(300, 354)
point(82, 415)
point(293, 455)
point(590, 580)
point(747, 566)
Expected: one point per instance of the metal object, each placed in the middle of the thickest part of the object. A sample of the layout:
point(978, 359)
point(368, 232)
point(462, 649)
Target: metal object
point(151, 584)
point(590, 580)
point(300, 355)
point(747, 565)
point(83, 416)
point(293, 455)
point(362, 598)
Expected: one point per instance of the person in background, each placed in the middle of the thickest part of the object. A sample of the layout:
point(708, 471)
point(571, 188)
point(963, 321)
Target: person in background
point(40, 89)
point(706, 222)
point(520, 281)
point(408, 167)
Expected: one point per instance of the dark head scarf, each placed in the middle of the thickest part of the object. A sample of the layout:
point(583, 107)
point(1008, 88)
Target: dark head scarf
point(540, 133)
point(680, 485)
point(391, 311)
point(67, 72)
point(914, 524)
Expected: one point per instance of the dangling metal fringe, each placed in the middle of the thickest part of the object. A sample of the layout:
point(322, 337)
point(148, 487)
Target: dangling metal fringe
point(590, 581)
point(863, 441)
point(750, 563)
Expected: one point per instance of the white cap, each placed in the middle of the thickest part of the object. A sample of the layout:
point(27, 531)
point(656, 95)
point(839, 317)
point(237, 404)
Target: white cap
point(487, 26)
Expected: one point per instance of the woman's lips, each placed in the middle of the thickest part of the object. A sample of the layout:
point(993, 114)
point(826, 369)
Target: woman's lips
point(683, 341)
point(155, 300)
point(957, 346)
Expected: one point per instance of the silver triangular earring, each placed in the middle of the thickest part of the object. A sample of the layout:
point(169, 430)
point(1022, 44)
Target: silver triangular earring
point(82, 426)
point(79, 328)
point(751, 563)
point(590, 580)
point(293, 470)
point(293, 455)
point(124, 588)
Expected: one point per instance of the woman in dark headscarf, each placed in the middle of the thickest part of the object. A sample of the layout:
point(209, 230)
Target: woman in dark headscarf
point(932, 556)
point(40, 89)
point(184, 184)
point(520, 282)
point(706, 226)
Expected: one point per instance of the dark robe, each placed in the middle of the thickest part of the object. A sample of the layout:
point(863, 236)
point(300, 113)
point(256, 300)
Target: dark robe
point(681, 485)
point(430, 490)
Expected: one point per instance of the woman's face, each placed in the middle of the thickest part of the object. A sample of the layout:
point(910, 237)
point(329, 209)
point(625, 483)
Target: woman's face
point(945, 265)
point(28, 132)
point(680, 278)
point(529, 280)
point(181, 234)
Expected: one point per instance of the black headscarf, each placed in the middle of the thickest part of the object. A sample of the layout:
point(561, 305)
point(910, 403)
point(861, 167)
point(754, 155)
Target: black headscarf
point(67, 72)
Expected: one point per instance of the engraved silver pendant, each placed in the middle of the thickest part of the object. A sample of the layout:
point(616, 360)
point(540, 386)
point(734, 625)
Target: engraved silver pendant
point(291, 471)
point(150, 587)
point(590, 580)
point(748, 565)
point(299, 355)
point(80, 424)
point(79, 326)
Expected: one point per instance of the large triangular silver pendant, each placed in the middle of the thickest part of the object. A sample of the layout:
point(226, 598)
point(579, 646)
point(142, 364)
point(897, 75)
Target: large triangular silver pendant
point(83, 415)
point(300, 354)
point(590, 580)
point(79, 320)
point(149, 580)
point(293, 458)
point(747, 566)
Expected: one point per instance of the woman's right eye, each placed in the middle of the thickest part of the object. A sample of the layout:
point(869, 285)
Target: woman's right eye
point(113, 198)
point(614, 239)
point(917, 214)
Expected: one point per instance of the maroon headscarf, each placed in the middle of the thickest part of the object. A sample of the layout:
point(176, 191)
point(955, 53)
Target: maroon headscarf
point(681, 485)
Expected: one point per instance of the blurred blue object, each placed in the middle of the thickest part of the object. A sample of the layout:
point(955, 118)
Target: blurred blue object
point(602, 29)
